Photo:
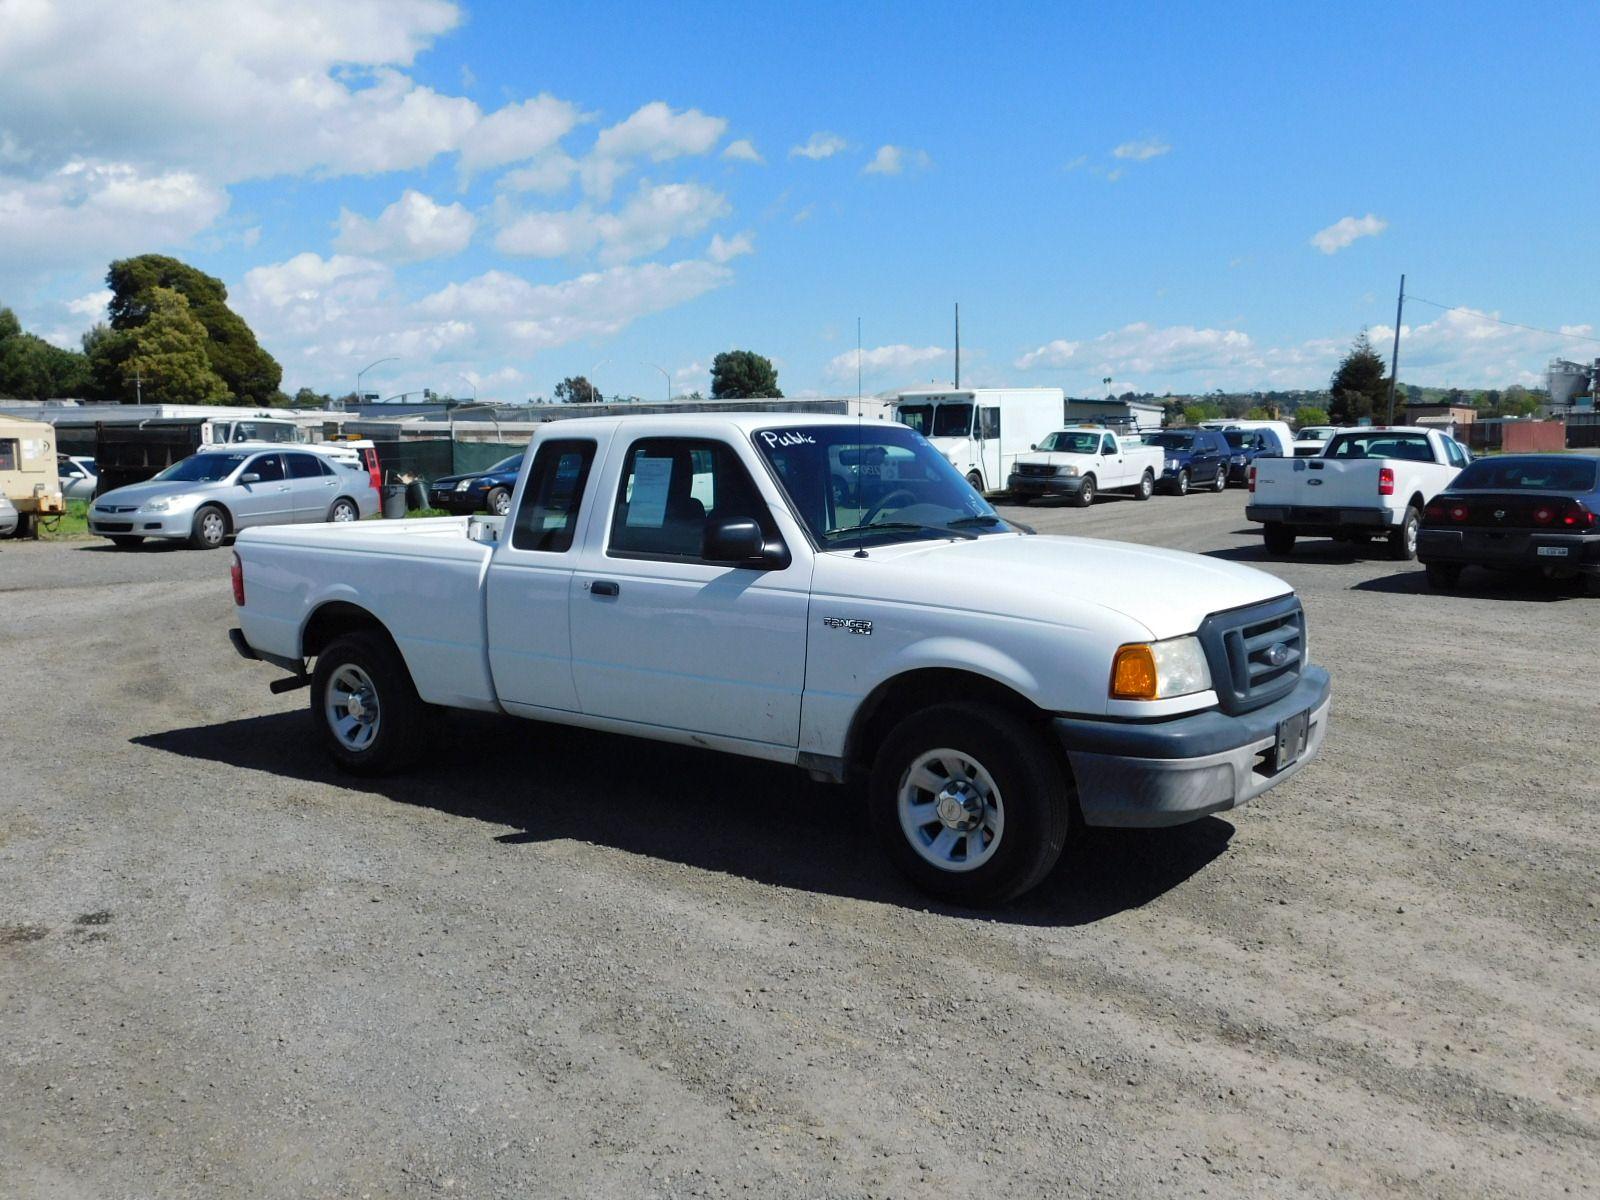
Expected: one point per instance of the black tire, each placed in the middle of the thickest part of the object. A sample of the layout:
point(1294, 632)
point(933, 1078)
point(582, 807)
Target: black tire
point(1220, 483)
point(26, 527)
point(1180, 486)
point(1033, 784)
point(976, 480)
point(343, 510)
point(1084, 496)
point(400, 713)
point(498, 501)
point(1147, 485)
point(1444, 577)
point(209, 529)
point(1278, 537)
point(1403, 541)
point(127, 541)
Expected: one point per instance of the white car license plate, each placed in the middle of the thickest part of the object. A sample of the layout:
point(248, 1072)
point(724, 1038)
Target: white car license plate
point(1552, 551)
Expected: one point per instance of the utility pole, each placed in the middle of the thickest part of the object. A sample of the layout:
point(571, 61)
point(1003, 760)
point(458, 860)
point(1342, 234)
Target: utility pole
point(958, 345)
point(138, 385)
point(1394, 357)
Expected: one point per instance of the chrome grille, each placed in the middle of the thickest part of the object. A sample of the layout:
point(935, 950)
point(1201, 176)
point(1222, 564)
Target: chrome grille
point(1257, 653)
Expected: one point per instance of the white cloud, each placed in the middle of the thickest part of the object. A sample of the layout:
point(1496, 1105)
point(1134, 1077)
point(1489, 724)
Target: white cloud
point(1141, 348)
point(891, 160)
point(1347, 230)
point(743, 150)
point(518, 132)
point(818, 146)
point(413, 227)
point(92, 306)
point(722, 249)
point(653, 132)
point(1142, 150)
point(898, 359)
point(549, 173)
point(1467, 348)
point(655, 216)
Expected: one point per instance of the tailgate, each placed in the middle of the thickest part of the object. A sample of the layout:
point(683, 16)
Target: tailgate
point(1318, 482)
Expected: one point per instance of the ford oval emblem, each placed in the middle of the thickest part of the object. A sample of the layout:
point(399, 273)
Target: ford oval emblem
point(1313, 483)
point(1277, 654)
point(1499, 514)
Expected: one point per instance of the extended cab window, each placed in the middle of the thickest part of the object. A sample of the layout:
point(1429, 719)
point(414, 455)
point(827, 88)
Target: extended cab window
point(671, 488)
point(548, 517)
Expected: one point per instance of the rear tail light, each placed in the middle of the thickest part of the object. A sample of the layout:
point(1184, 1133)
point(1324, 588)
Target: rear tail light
point(238, 580)
point(1252, 479)
point(1435, 511)
point(1577, 516)
point(1385, 481)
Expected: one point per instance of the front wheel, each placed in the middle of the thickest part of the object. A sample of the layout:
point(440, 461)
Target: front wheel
point(1181, 487)
point(1085, 493)
point(365, 705)
point(1147, 486)
point(976, 480)
point(970, 802)
point(499, 501)
point(1279, 537)
point(1403, 541)
point(210, 527)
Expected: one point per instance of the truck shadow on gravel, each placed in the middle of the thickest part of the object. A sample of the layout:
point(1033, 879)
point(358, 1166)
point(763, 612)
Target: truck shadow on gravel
point(764, 822)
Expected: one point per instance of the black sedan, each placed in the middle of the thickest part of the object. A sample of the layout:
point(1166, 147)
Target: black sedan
point(1518, 512)
point(482, 491)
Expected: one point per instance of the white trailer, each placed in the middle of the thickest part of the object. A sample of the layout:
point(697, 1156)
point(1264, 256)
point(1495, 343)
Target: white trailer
point(981, 431)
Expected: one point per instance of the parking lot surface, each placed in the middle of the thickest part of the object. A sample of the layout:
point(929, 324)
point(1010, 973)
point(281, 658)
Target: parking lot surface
point(554, 963)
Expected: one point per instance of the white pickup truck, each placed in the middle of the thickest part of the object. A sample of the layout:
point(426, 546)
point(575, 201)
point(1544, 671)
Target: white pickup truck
point(1369, 482)
point(698, 579)
point(1079, 463)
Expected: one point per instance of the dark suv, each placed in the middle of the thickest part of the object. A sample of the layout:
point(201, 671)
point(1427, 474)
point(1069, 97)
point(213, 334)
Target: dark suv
point(1247, 445)
point(1195, 458)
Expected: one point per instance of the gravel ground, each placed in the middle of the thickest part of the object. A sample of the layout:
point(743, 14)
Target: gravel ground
point(555, 963)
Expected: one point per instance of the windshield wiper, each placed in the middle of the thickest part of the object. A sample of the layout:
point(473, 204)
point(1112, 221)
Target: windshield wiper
point(902, 526)
point(989, 521)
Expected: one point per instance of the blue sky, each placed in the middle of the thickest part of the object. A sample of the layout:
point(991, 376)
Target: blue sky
point(498, 194)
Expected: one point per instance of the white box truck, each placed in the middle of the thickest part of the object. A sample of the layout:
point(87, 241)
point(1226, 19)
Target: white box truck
point(982, 430)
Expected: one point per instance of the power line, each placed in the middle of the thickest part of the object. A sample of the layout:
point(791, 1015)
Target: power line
point(1575, 337)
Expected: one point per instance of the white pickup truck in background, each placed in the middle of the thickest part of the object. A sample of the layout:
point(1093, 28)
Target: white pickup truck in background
point(1368, 482)
point(1079, 463)
point(699, 579)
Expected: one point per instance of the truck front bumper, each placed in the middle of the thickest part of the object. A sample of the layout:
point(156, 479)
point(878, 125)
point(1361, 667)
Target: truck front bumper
point(1307, 518)
point(1045, 485)
point(1149, 774)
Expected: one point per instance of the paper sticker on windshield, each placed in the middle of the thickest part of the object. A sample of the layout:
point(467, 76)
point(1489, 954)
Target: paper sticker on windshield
point(647, 507)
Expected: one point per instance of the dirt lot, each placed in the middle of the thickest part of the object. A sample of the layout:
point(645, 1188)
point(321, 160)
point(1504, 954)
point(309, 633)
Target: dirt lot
point(563, 964)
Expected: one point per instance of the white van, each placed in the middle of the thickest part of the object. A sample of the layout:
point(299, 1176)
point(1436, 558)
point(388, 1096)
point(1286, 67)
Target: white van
point(982, 430)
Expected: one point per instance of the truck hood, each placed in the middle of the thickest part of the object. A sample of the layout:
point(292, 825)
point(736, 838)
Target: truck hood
point(1166, 592)
point(1054, 458)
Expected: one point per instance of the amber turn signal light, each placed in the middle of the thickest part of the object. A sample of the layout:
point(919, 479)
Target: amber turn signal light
point(1133, 674)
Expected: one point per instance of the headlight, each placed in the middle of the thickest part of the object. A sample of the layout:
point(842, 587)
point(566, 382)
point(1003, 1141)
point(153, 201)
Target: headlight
point(161, 505)
point(1172, 464)
point(1069, 471)
point(463, 485)
point(1238, 460)
point(1160, 670)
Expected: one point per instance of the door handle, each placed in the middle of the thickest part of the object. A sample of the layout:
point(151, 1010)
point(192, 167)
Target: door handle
point(603, 587)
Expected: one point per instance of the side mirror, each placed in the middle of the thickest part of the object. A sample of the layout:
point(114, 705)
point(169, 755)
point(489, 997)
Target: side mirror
point(1034, 446)
point(739, 542)
point(250, 477)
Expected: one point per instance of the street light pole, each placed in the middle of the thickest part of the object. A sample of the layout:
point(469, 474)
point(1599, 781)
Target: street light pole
point(470, 384)
point(367, 368)
point(665, 377)
point(589, 378)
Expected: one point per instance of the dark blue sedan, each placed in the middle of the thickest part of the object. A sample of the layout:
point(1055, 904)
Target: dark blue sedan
point(1535, 513)
point(482, 491)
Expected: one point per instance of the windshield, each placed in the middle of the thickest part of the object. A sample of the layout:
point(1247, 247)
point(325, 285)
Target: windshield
point(952, 420)
point(1315, 433)
point(1072, 443)
point(1410, 446)
point(872, 483)
point(917, 416)
point(1527, 475)
point(1171, 441)
point(203, 468)
point(261, 431)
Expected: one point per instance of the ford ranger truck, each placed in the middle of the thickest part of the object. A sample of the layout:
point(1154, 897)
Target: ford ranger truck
point(1371, 482)
point(698, 579)
point(1080, 463)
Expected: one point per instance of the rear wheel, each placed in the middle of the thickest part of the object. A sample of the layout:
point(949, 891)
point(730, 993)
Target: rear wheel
point(1444, 576)
point(1085, 493)
point(970, 802)
point(365, 705)
point(1403, 541)
point(1147, 486)
point(498, 501)
point(126, 541)
point(343, 511)
point(1278, 536)
point(210, 527)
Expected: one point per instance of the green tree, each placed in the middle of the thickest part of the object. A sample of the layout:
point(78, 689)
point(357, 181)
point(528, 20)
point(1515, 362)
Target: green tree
point(169, 360)
point(33, 369)
point(1360, 387)
point(306, 398)
point(106, 351)
point(575, 389)
point(1258, 414)
point(743, 375)
point(1310, 415)
point(247, 370)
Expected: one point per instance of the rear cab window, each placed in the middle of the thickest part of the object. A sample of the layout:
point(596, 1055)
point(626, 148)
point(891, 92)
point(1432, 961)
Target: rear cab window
point(547, 519)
